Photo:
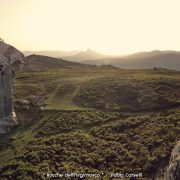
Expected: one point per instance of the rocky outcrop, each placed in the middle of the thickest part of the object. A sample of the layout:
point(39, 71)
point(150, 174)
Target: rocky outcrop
point(173, 171)
point(36, 101)
point(10, 61)
point(32, 102)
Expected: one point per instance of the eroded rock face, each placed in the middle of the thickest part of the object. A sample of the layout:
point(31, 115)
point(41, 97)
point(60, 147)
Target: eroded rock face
point(173, 171)
point(10, 61)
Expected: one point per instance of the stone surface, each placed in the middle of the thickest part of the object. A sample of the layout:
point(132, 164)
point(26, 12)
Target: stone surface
point(41, 108)
point(36, 101)
point(26, 107)
point(10, 61)
point(173, 171)
point(22, 101)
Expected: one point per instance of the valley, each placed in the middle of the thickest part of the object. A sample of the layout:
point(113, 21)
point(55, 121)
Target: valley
point(95, 120)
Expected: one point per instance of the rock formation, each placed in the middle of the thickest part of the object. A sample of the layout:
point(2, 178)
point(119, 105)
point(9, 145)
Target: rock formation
point(173, 171)
point(10, 61)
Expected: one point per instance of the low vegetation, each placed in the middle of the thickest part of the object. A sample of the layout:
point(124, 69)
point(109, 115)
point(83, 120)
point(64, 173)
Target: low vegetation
point(95, 121)
point(60, 122)
point(134, 144)
point(120, 94)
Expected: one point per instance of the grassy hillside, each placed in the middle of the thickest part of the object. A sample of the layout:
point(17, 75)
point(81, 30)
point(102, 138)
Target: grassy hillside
point(44, 63)
point(126, 94)
point(95, 121)
point(90, 141)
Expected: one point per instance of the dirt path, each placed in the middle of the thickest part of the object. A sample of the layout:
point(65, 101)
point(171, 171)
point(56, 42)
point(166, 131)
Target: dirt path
point(66, 101)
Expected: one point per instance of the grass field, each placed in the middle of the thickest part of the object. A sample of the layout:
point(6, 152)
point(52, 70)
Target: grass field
point(95, 120)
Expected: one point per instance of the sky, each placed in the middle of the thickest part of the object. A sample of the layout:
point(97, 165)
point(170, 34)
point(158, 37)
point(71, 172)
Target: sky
point(109, 26)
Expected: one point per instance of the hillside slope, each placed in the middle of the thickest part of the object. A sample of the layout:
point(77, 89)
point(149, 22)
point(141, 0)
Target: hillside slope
point(144, 60)
point(42, 63)
point(56, 54)
point(116, 93)
point(89, 124)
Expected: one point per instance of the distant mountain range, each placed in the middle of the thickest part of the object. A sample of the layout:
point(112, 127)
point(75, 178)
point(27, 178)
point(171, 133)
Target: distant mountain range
point(141, 60)
point(77, 56)
point(87, 55)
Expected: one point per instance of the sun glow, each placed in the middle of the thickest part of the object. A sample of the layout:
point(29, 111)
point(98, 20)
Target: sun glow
point(108, 26)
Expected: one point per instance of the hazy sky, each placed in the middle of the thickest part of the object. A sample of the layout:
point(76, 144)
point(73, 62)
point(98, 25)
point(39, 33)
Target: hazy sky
point(108, 26)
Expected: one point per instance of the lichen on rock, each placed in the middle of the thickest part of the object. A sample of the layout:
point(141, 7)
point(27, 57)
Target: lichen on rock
point(10, 61)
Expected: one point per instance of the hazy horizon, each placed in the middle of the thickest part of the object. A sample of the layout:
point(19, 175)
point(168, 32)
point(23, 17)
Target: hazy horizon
point(115, 55)
point(112, 27)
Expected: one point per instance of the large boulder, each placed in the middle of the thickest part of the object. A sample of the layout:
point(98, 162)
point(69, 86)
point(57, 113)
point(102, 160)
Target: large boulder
point(10, 61)
point(173, 171)
point(36, 101)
